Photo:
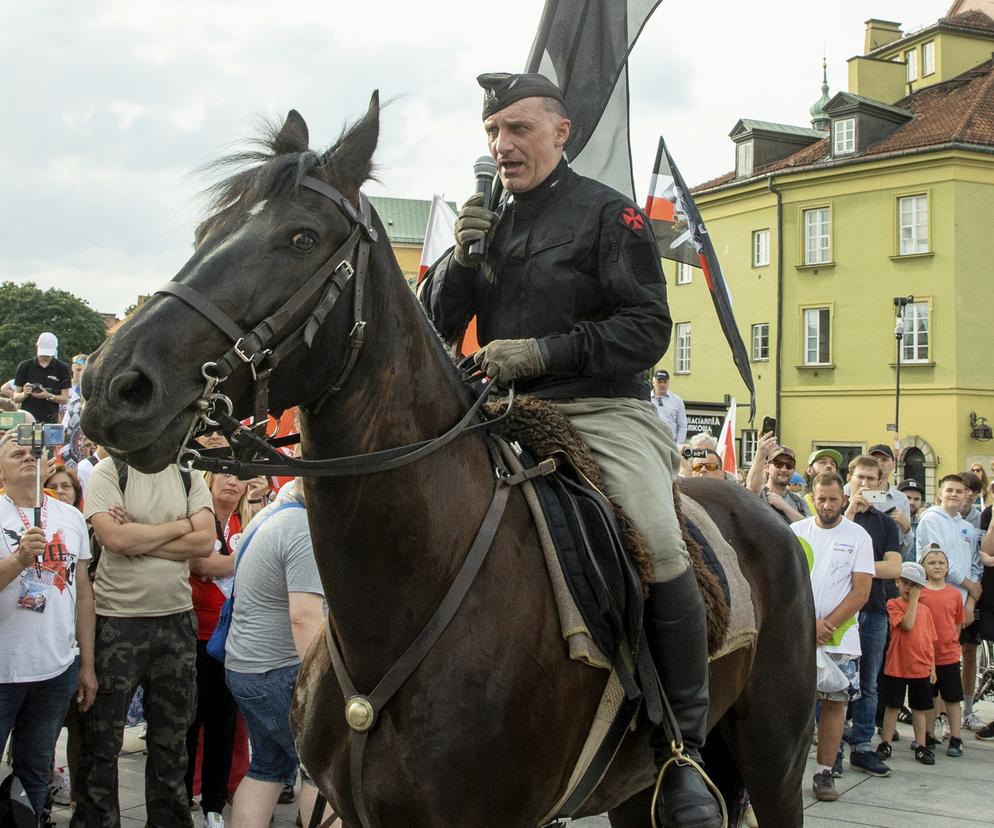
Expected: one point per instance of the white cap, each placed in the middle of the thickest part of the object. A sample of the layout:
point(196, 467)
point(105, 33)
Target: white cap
point(48, 344)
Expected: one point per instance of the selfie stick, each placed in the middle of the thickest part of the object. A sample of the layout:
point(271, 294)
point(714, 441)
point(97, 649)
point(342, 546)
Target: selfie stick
point(37, 449)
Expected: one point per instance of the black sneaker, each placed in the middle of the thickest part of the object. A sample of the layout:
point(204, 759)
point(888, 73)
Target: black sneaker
point(884, 750)
point(287, 795)
point(925, 755)
point(955, 747)
point(868, 762)
point(824, 787)
point(837, 767)
point(986, 734)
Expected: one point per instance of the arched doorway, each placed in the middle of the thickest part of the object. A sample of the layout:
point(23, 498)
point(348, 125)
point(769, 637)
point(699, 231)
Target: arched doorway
point(913, 463)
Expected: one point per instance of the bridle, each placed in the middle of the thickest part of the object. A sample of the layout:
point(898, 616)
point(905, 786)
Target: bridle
point(262, 348)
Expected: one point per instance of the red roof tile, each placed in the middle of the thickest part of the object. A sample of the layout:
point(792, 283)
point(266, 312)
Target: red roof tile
point(960, 110)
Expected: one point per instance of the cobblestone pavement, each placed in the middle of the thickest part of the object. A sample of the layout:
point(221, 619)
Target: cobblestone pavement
point(954, 793)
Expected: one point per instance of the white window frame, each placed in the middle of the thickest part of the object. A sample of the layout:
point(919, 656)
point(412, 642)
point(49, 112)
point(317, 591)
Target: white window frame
point(912, 224)
point(684, 273)
point(760, 342)
point(844, 136)
point(760, 248)
point(916, 343)
point(813, 335)
point(928, 58)
point(681, 363)
point(911, 59)
point(749, 440)
point(743, 159)
point(817, 235)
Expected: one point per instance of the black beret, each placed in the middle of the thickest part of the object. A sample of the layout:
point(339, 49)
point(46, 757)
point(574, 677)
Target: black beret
point(501, 89)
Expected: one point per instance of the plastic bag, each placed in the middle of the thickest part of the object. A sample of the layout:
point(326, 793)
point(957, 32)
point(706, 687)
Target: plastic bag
point(830, 678)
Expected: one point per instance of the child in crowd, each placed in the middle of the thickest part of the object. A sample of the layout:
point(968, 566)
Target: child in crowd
point(910, 663)
point(946, 606)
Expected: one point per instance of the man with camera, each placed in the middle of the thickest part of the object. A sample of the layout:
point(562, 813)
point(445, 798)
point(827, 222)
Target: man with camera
point(46, 617)
point(41, 384)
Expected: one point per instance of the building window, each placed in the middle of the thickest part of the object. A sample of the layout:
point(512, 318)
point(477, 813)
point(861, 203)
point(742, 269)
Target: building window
point(844, 136)
point(816, 236)
point(749, 440)
point(914, 346)
point(817, 329)
point(760, 248)
point(913, 218)
point(683, 273)
point(761, 341)
point(682, 348)
point(928, 58)
point(911, 58)
point(743, 159)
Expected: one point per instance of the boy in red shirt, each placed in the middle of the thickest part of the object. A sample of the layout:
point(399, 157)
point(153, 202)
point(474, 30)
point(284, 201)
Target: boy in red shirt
point(946, 606)
point(910, 664)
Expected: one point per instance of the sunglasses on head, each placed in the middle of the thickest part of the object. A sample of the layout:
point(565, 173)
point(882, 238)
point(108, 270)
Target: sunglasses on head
point(783, 464)
point(710, 465)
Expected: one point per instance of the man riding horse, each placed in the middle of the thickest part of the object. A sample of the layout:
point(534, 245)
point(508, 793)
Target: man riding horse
point(571, 304)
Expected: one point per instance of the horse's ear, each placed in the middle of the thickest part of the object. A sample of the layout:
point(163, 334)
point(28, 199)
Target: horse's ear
point(350, 161)
point(293, 136)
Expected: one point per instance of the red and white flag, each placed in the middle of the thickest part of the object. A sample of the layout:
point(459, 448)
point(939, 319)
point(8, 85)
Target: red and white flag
point(440, 234)
point(726, 441)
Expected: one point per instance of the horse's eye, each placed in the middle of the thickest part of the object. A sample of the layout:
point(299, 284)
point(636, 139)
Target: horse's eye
point(304, 241)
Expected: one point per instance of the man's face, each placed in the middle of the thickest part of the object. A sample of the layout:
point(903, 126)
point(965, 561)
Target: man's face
point(213, 440)
point(43, 361)
point(864, 477)
point(966, 504)
point(914, 500)
point(823, 465)
point(660, 386)
point(527, 142)
point(780, 469)
point(16, 463)
point(951, 495)
point(709, 466)
point(828, 500)
point(886, 464)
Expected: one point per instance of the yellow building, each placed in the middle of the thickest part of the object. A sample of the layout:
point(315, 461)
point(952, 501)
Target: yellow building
point(880, 214)
point(405, 220)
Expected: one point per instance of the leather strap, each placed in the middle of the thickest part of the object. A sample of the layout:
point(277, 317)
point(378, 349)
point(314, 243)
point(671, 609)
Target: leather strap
point(405, 666)
point(205, 307)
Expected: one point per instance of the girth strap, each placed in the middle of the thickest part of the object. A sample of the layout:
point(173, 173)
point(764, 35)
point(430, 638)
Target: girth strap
point(361, 712)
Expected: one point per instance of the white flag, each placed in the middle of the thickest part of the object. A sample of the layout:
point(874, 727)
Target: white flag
point(440, 234)
point(726, 441)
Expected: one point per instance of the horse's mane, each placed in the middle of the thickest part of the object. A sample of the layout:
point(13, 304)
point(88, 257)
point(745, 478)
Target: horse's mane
point(272, 167)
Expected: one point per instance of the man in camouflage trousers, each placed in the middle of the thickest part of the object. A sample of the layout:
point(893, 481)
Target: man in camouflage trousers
point(149, 526)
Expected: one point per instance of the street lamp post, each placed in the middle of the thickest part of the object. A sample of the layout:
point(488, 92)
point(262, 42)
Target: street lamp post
point(900, 302)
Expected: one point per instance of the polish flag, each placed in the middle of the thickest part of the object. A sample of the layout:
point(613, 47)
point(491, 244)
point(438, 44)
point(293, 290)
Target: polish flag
point(440, 234)
point(726, 441)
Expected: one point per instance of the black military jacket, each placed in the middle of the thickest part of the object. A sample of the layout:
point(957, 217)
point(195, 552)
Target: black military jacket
point(573, 264)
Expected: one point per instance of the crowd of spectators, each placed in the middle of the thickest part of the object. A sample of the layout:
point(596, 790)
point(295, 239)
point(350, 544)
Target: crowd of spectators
point(121, 577)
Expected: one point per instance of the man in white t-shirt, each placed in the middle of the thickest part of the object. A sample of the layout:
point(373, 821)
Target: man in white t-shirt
point(840, 557)
point(46, 619)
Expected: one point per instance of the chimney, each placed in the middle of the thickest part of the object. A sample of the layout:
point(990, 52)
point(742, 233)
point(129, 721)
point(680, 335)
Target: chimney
point(880, 32)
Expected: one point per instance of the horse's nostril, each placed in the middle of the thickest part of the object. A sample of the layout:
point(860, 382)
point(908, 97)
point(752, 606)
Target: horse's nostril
point(131, 388)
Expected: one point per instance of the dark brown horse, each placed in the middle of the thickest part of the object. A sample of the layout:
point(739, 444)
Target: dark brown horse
point(487, 729)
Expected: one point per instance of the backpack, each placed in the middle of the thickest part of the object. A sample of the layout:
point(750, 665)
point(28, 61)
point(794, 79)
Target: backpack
point(15, 807)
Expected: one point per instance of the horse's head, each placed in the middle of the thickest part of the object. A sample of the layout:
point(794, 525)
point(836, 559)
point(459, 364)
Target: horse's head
point(268, 235)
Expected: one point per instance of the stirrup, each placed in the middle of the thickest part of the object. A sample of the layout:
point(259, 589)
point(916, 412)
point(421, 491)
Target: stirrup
point(679, 757)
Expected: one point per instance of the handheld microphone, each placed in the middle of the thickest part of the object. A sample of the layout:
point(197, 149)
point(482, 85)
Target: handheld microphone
point(484, 169)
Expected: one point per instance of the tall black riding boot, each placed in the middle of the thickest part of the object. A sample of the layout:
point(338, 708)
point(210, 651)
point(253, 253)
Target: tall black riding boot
point(675, 627)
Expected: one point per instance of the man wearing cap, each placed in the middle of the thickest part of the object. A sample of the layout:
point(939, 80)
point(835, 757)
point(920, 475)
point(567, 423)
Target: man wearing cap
point(669, 406)
point(896, 504)
point(915, 492)
point(820, 461)
point(571, 305)
point(777, 463)
point(41, 384)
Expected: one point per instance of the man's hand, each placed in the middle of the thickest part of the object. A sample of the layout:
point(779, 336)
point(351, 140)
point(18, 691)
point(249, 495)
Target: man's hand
point(776, 501)
point(472, 224)
point(87, 691)
point(857, 503)
point(932, 677)
point(504, 360)
point(120, 516)
point(767, 446)
point(31, 547)
point(823, 632)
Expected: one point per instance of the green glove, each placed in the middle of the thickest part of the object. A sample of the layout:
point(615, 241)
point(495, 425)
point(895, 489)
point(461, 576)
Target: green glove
point(504, 360)
point(473, 223)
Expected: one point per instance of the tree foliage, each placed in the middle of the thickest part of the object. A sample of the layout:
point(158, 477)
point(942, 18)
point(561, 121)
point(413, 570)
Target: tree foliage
point(26, 311)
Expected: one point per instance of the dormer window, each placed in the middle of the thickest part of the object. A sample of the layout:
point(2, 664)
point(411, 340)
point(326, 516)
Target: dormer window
point(911, 58)
point(743, 159)
point(928, 58)
point(844, 136)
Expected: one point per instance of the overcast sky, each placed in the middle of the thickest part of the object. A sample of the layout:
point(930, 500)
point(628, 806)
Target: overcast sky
point(111, 106)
